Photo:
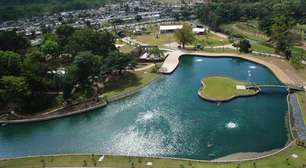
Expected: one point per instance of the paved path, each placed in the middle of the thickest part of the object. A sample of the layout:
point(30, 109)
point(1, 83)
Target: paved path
point(297, 117)
point(172, 62)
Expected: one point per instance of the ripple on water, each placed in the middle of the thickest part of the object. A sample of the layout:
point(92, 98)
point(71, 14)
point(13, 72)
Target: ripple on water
point(231, 125)
point(252, 67)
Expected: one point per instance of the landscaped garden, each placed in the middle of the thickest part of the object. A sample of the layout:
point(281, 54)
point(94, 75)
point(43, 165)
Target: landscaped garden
point(218, 88)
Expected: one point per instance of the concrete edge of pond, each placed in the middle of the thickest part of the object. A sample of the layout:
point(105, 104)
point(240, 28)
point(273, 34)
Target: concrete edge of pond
point(173, 60)
point(261, 155)
point(228, 99)
point(80, 111)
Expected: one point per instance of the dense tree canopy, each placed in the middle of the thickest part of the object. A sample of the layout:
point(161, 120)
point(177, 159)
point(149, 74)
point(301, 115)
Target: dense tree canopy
point(11, 41)
point(30, 81)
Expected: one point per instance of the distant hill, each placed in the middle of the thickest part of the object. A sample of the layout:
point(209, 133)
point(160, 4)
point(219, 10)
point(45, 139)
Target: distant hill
point(14, 9)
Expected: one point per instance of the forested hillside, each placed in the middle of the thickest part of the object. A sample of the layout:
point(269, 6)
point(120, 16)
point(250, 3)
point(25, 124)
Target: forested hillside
point(13, 9)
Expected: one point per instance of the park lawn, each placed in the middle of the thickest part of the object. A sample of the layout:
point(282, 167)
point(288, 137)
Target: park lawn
point(126, 48)
point(302, 101)
point(276, 161)
point(247, 30)
point(298, 51)
point(130, 82)
point(219, 50)
point(151, 39)
point(222, 88)
point(210, 40)
point(262, 48)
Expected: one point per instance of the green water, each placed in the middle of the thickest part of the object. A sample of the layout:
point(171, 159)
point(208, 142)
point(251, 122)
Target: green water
point(167, 118)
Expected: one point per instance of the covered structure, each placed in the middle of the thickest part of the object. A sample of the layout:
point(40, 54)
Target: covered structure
point(169, 28)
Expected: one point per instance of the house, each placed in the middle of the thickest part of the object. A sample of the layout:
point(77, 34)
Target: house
point(169, 28)
point(198, 31)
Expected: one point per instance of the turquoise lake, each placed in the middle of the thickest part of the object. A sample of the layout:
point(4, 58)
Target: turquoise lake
point(166, 118)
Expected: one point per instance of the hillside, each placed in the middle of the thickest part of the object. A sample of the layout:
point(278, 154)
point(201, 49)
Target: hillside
point(14, 9)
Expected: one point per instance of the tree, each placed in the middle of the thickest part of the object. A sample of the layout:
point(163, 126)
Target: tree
point(87, 67)
point(281, 35)
point(157, 53)
point(64, 32)
point(185, 35)
point(50, 47)
point(117, 61)
point(10, 63)
point(86, 39)
point(11, 41)
point(69, 82)
point(36, 71)
point(244, 46)
point(13, 90)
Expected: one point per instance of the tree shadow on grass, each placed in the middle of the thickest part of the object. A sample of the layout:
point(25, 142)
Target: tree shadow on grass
point(123, 82)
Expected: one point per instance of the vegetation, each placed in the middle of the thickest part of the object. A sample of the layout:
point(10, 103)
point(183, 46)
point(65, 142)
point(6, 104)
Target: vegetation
point(282, 160)
point(14, 9)
point(185, 35)
point(244, 46)
point(153, 39)
point(248, 30)
point(280, 21)
point(129, 82)
point(222, 88)
point(210, 40)
point(70, 64)
point(302, 101)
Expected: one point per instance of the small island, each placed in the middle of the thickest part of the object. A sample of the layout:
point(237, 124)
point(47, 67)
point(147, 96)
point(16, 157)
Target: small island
point(221, 89)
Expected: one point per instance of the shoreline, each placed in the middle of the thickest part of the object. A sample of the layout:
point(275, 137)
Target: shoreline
point(230, 158)
point(227, 99)
point(173, 60)
point(80, 111)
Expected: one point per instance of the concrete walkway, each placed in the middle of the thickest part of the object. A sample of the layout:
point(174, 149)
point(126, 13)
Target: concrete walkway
point(172, 62)
point(297, 117)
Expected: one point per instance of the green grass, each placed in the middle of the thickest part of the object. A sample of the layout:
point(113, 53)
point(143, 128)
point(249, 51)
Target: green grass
point(262, 48)
point(277, 161)
point(298, 51)
point(129, 82)
point(222, 88)
point(210, 40)
point(219, 50)
point(247, 30)
point(126, 48)
point(151, 39)
point(302, 101)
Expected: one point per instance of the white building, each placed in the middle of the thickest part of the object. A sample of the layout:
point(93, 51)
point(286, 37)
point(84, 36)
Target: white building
point(169, 28)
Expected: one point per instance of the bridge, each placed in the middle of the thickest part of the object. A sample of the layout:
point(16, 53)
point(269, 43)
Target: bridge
point(292, 87)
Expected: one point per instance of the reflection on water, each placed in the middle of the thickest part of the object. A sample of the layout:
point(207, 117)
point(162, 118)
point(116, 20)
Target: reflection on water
point(167, 118)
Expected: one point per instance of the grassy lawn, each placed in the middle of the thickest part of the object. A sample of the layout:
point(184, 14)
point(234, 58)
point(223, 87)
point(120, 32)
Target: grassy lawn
point(247, 30)
point(126, 48)
point(210, 40)
point(129, 82)
point(219, 50)
point(302, 101)
point(262, 48)
point(298, 51)
point(222, 88)
point(151, 39)
point(277, 161)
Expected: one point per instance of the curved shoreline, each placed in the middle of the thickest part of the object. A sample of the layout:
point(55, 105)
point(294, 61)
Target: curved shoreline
point(80, 111)
point(228, 99)
point(172, 62)
point(222, 159)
